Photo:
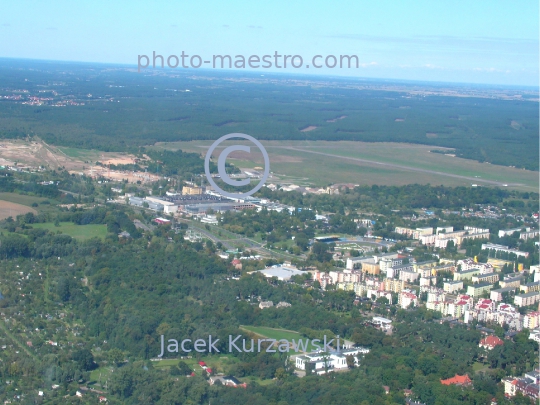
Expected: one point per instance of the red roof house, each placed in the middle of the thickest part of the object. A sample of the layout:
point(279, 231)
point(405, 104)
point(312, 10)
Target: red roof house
point(457, 380)
point(490, 342)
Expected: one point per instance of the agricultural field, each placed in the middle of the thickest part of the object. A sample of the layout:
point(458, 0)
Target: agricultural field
point(11, 209)
point(319, 163)
point(80, 232)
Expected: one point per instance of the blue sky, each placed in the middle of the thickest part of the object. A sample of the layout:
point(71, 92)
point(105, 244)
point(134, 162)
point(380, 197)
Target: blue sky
point(479, 41)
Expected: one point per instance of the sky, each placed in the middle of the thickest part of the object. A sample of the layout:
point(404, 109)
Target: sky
point(480, 41)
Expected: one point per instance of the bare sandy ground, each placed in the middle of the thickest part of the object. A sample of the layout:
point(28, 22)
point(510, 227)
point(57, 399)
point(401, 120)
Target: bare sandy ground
point(37, 153)
point(128, 160)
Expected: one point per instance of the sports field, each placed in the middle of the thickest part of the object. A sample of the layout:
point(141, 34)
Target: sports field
point(80, 232)
point(320, 163)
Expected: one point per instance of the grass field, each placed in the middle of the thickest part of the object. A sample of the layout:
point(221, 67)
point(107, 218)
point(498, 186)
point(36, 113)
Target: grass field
point(321, 163)
point(84, 154)
point(21, 199)
point(218, 363)
point(478, 367)
point(80, 232)
point(273, 333)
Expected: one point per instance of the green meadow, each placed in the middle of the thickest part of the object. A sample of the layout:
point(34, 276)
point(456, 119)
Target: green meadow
point(80, 232)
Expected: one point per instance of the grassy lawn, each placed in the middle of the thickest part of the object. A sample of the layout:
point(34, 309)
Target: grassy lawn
point(105, 373)
point(80, 232)
point(82, 154)
point(477, 367)
point(273, 333)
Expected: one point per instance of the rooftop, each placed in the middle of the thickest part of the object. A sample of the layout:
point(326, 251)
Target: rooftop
point(281, 272)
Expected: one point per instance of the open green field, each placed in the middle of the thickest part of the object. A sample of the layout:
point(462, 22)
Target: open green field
point(80, 232)
point(219, 363)
point(77, 153)
point(273, 333)
point(23, 199)
point(320, 163)
point(104, 372)
point(479, 367)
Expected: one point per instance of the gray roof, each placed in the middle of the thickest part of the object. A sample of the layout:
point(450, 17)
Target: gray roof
point(529, 294)
point(503, 290)
point(481, 285)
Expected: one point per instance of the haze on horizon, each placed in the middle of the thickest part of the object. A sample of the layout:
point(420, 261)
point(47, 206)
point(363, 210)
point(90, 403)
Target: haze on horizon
point(480, 42)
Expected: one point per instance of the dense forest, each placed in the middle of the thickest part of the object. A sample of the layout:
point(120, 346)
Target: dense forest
point(122, 111)
point(106, 302)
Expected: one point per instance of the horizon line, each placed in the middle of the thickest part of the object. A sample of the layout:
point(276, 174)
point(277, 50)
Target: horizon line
point(291, 73)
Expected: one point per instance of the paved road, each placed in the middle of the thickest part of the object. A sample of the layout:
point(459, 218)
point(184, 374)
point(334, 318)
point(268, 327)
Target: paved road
point(409, 168)
point(139, 224)
point(249, 243)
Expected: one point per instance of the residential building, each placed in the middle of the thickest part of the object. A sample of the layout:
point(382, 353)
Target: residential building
point(524, 300)
point(394, 271)
point(467, 298)
point(355, 262)
point(462, 380)
point(427, 281)
point(345, 286)
point(371, 267)
point(452, 286)
point(528, 385)
point(486, 278)
point(533, 234)
point(506, 314)
point(465, 275)
point(530, 287)
point(451, 267)
point(435, 296)
point(457, 308)
point(406, 298)
point(531, 320)
point(476, 290)
point(500, 294)
point(490, 342)
point(470, 264)
point(485, 305)
point(505, 232)
point(513, 282)
point(504, 249)
point(394, 285)
point(387, 262)
point(413, 233)
point(408, 276)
